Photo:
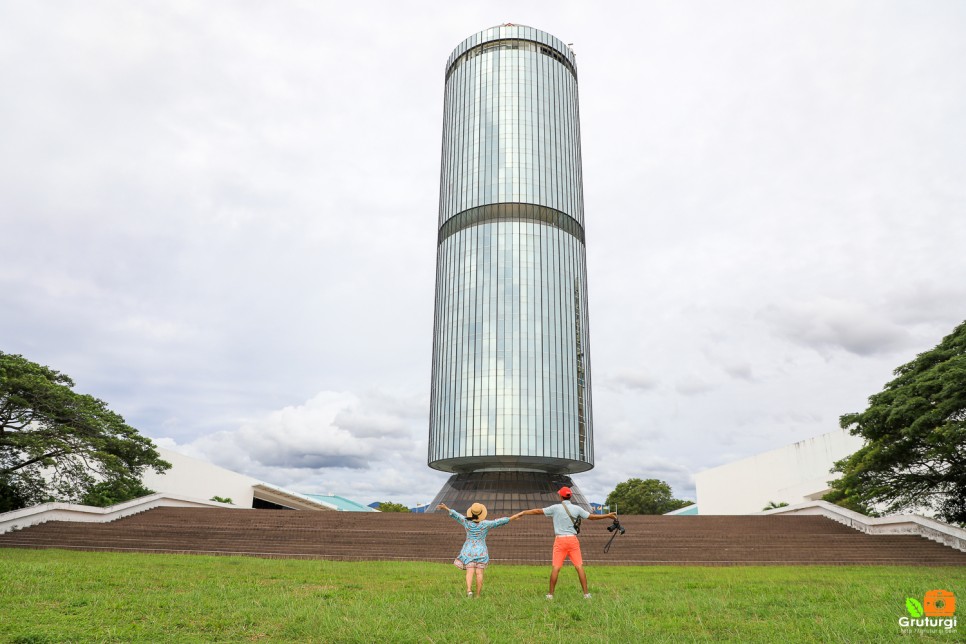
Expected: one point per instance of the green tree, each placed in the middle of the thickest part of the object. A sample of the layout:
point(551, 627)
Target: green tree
point(392, 507)
point(114, 491)
point(650, 496)
point(772, 505)
point(59, 445)
point(914, 456)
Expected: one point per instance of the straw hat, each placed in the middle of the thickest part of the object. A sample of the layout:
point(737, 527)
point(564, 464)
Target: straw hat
point(477, 512)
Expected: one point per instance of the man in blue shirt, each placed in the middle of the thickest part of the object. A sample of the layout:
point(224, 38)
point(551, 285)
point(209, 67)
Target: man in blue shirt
point(566, 544)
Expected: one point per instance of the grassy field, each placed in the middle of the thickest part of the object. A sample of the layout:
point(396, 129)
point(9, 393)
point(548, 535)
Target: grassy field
point(58, 596)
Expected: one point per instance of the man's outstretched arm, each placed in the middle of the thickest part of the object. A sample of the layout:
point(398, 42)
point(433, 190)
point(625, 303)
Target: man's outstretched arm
point(596, 517)
point(524, 512)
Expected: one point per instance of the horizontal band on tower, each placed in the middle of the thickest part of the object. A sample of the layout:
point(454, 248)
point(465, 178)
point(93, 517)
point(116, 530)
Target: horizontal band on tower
point(510, 212)
point(512, 45)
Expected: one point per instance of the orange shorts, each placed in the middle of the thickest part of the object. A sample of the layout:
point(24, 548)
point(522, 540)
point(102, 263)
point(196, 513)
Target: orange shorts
point(566, 546)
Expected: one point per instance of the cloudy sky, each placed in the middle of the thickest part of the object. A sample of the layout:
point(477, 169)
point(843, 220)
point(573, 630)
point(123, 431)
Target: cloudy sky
point(220, 218)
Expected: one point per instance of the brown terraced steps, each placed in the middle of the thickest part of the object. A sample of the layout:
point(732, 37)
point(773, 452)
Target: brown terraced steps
point(649, 540)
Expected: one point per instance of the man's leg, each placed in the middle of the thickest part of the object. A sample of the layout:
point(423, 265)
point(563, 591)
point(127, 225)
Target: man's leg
point(583, 578)
point(577, 559)
point(554, 571)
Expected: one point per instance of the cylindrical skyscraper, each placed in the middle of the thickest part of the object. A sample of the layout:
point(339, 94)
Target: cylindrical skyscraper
point(510, 412)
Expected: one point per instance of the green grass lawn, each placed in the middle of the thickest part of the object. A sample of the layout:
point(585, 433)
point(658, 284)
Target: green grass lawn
point(58, 596)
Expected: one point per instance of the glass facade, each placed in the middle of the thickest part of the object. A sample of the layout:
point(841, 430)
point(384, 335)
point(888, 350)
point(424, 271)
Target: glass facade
point(511, 361)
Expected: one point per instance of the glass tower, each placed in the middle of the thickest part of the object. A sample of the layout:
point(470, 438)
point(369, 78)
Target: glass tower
point(510, 411)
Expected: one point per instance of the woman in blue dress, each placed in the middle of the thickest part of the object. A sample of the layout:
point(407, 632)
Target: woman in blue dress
point(474, 556)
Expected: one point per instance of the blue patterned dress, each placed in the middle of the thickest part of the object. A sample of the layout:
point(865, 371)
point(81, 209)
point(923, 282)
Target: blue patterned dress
point(474, 553)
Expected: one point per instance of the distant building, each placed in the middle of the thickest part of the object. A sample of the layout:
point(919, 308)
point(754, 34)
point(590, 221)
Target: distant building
point(341, 503)
point(793, 474)
point(688, 510)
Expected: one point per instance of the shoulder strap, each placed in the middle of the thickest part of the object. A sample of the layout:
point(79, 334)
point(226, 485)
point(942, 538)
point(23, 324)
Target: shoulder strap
point(576, 521)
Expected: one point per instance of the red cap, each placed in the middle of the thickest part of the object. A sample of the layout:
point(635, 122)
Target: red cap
point(565, 492)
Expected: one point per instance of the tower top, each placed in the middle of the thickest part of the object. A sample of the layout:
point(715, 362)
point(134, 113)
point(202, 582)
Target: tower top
point(510, 31)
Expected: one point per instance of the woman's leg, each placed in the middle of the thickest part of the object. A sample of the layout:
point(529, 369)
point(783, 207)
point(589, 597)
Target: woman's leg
point(479, 582)
point(469, 580)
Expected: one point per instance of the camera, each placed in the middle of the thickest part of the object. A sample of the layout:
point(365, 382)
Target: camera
point(615, 529)
point(616, 525)
point(939, 603)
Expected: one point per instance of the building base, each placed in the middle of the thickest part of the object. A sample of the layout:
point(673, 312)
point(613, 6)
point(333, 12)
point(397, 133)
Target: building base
point(505, 493)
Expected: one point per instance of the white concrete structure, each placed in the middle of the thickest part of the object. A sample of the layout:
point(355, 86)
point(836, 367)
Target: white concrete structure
point(937, 531)
point(196, 479)
point(36, 514)
point(792, 474)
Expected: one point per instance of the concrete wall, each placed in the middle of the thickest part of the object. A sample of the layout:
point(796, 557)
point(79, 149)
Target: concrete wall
point(792, 474)
point(197, 479)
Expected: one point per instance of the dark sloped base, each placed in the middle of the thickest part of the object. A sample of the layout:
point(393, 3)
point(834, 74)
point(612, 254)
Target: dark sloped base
point(505, 493)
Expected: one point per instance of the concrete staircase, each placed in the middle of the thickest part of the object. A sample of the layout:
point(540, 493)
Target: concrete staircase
point(649, 540)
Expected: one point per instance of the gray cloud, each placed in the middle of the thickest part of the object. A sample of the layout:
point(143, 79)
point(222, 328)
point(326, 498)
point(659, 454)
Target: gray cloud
point(827, 324)
point(740, 371)
point(294, 459)
point(634, 381)
point(693, 386)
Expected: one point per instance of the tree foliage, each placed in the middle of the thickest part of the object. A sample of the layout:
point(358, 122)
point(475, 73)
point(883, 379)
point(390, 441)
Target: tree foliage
point(114, 491)
point(59, 445)
point(772, 505)
point(914, 456)
point(388, 506)
point(649, 496)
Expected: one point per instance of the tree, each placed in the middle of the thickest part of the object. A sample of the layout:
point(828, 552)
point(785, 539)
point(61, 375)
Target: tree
point(772, 505)
point(114, 491)
point(392, 507)
point(650, 496)
point(914, 456)
point(60, 445)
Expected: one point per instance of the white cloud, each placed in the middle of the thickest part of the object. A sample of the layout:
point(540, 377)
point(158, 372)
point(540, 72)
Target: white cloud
point(328, 443)
point(296, 437)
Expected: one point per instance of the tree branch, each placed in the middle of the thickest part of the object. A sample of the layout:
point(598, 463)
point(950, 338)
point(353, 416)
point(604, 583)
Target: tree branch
point(35, 460)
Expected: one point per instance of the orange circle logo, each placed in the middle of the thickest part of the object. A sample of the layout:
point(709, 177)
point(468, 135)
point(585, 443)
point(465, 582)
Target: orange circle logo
point(939, 603)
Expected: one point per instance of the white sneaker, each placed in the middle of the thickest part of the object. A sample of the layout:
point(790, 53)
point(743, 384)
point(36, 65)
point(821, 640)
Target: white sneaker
point(469, 593)
point(549, 596)
point(587, 596)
